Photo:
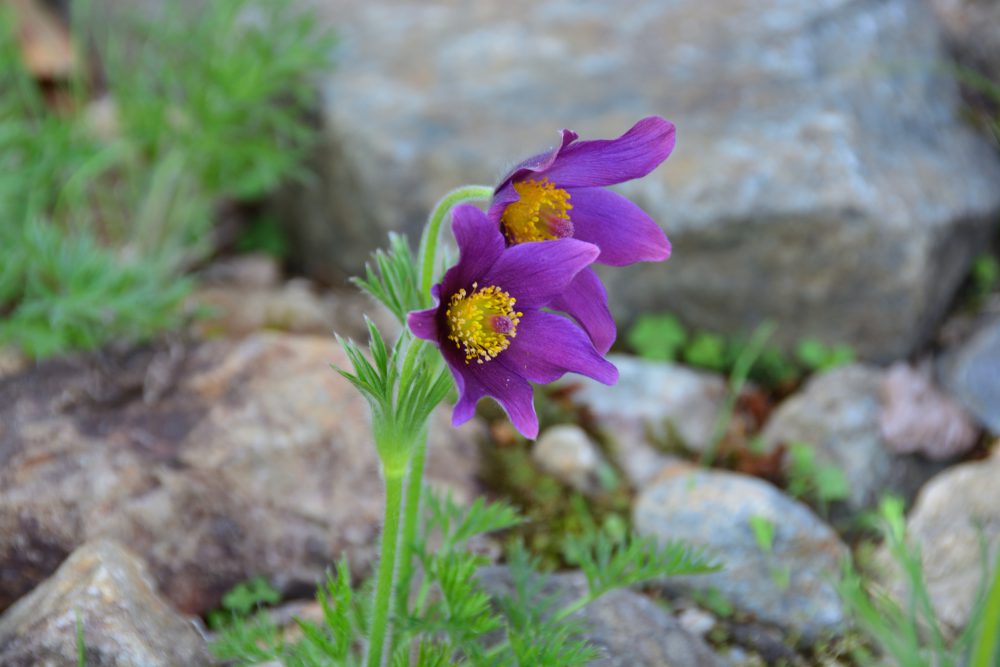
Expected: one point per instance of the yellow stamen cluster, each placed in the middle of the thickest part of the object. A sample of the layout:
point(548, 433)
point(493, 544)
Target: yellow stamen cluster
point(540, 214)
point(482, 322)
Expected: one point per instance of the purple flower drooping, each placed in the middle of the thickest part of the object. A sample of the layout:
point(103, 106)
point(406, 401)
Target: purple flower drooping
point(560, 194)
point(490, 326)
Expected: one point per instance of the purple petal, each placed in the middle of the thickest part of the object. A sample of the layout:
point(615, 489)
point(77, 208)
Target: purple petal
point(423, 324)
point(587, 302)
point(548, 346)
point(623, 231)
point(504, 196)
point(511, 391)
point(480, 243)
point(469, 393)
point(535, 273)
point(534, 164)
point(610, 161)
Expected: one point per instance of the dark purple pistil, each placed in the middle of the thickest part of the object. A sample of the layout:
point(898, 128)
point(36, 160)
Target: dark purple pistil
point(561, 228)
point(501, 324)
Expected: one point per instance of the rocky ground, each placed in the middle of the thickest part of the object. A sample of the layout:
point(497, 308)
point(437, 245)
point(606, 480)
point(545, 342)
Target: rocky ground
point(823, 178)
point(140, 485)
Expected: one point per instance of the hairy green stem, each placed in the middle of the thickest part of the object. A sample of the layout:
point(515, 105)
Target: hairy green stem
point(395, 564)
point(432, 232)
point(381, 630)
point(411, 515)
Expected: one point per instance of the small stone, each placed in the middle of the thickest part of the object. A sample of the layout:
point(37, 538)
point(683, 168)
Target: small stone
point(101, 117)
point(251, 270)
point(696, 621)
point(837, 414)
point(654, 407)
point(917, 417)
point(11, 361)
point(628, 629)
point(737, 656)
point(955, 516)
point(790, 583)
point(567, 453)
point(123, 620)
point(44, 41)
point(972, 375)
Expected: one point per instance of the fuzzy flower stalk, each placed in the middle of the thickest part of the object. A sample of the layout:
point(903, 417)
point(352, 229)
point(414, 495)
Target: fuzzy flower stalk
point(521, 306)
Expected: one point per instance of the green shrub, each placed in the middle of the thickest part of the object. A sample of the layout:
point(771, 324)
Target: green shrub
point(97, 231)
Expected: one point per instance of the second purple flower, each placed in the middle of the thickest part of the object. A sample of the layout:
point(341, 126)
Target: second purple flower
point(560, 194)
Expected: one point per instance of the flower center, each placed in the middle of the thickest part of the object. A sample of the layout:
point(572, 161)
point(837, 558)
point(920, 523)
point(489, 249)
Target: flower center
point(540, 214)
point(482, 322)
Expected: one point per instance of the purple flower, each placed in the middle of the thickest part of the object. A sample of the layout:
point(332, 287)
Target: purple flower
point(490, 326)
point(559, 194)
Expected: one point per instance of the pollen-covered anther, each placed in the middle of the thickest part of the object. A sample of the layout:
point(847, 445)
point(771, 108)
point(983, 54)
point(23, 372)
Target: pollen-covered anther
point(541, 213)
point(481, 322)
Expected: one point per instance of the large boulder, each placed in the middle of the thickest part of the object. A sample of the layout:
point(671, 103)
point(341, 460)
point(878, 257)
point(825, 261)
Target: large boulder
point(822, 175)
point(789, 582)
point(100, 603)
point(256, 458)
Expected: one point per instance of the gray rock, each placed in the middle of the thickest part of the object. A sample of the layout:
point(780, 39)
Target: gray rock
point(250, 270)
point(956, 514)
point(123, 621)
point(567, 453)
point(838, 414)
point(972, 375)
point(244, 295)
point(628, 629)
point(257, 461)
point(240, 311)
point(654, 407)
point(791, 586)
point(697, 621)
point(785, 198)
point(918, 417)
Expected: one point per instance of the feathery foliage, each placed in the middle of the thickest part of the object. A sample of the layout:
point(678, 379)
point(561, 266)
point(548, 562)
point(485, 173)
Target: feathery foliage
point(450, 618)
point(391, 277)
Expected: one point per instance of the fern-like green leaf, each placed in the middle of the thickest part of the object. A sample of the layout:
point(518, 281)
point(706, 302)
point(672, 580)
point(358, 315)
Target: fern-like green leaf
point(393, 278)
point(457, 525)
point(610, 563)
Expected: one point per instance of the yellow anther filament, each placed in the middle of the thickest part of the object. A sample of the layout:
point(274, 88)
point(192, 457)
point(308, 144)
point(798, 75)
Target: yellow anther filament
point(540, 213)
point(482, 322)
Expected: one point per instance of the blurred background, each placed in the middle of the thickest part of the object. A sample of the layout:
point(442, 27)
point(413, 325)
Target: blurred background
point(186, 188)
point(836, 167)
